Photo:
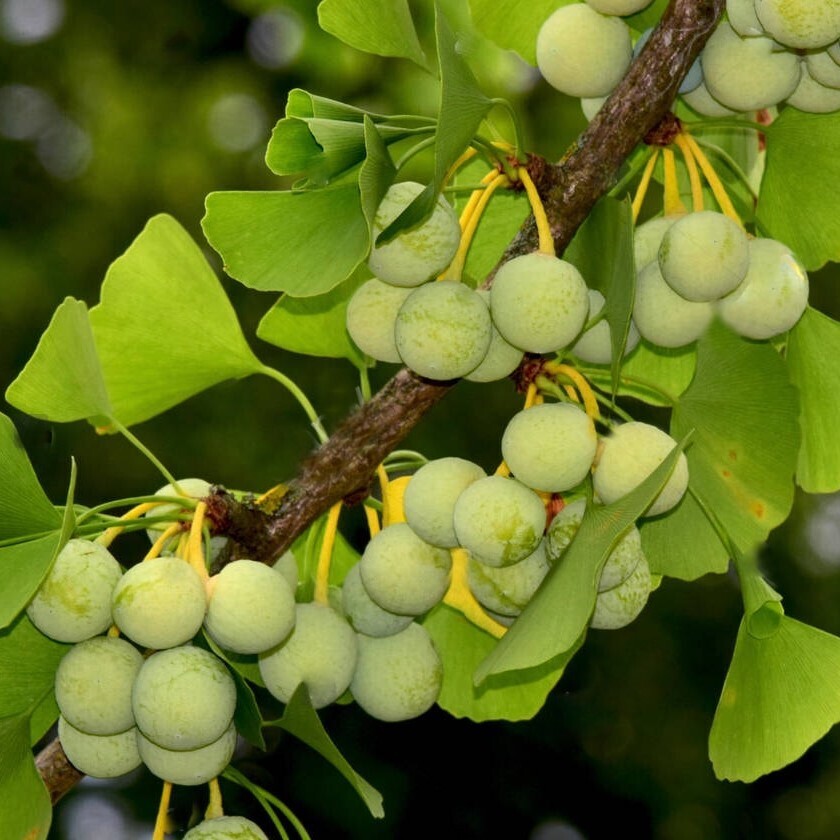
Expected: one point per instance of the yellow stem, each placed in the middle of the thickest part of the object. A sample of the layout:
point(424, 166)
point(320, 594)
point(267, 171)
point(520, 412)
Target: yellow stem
point(383, 491)
point(467, 154)
point(195, 550)
point(693, 174)
point(589, 400)
point(372, 521)
point(538, 209)
point(472, 201)
point(673, 203)
point(270, 500)
point(571, 393)
point(532, 395)
point(644, 183)
point(718, 190)
point(214, 806)
point(163, 810)
point(114, 632)
point(162, 540)
point(502, 469)
point(322, 575)
point(459, 596)
point(109, 535)
point(456, 267)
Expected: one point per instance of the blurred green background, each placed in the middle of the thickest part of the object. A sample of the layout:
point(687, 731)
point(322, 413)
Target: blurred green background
point(110, 113)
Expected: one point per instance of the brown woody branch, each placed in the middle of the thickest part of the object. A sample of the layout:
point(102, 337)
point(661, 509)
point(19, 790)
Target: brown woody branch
point(345, 464)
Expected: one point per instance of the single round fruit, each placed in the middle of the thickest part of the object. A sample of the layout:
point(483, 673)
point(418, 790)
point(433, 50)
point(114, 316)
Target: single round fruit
point(662, 316)
point(499, 520)
point(443, 330)
point(562, 529)
point(363, 613)
point(747, 74)
point(647, 238)
point(800, 24)
point(701, 101)
point(622, 560)
point(506, 591)
point(583, 53)
point(226, 828)
point(704, 256)
point(194, 488)
point(823, 68)
point(250, 607)
point(502, 357)
point(416, 255)
point(188, 767)
point(320, 652)
point(617, 607)
point(397, 677)
point(595, 345)
point(813, 97)
point(100, 756)
point(550, 447)
point(93, 685)
point(539, 303)
point(629, 455)
point(183, 698)
point(160, 603)
point(73, 602)
point(286, 565)
point(371, 316)
point(772, 297)
point(430, 498)
point(403, 573)
point(742, 17)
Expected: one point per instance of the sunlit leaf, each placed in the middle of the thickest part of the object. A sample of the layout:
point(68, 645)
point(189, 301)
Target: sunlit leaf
point(377, 173)
point(25, 810)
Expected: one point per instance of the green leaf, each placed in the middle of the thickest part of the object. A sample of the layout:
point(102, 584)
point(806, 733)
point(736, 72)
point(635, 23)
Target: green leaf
point(798, 199)
point(506, 23)
point(301, 720)
point(462, 647)
point(164, 327)
point(602, 250)
point(303, 243)
point(558, 614)
point(382, 27)
point(63, 380)
point(377, 173)
point(25, 810)
point(28, 662)
point(781, 694)
point(314, 326)
point(745, 415)
point(812, 353)
point(762, 604)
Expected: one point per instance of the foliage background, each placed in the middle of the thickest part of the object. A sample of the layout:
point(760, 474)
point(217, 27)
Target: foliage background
point(110, 113)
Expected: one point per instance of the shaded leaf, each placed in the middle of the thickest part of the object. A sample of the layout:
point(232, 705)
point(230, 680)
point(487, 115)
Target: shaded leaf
point(376, 174)
point(25, 810)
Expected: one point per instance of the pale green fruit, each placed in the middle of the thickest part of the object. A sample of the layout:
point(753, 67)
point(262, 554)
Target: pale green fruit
point(583, 53)
point(363, 613)
point(647, 238)
point(403, 573)
point(662, 316)
point(100, 756)
point(499, 520)
point(591, 105)
point(160, 603)
point(621, 8)
point(813, 97)
point(539, 303)
point(416, 255)
point(194, 488)
point(742, 17)
point(397, 677)
point(502, 357)
point(321, 652)
point(93, 685)
point(701, 101)
point(371, 316)
point(747, 74)
point(506, 590)
point(800, 24)
point(430, 497)
point(622, 560)
point(772, 297)
point(617, 607)
point(823, 68)
point(704, 256)
point(834, 52)
point(628, 456)
point(563, 528)
point(443, 330)
point(595, 345)
point(189, 767)
point(183, 698)
point(73, 602)
point(226, 828)
point(550, 447)
point(250, 609)
point(287, 566)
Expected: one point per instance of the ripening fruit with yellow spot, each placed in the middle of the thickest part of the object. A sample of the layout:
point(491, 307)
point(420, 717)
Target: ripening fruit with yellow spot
point(800, 24)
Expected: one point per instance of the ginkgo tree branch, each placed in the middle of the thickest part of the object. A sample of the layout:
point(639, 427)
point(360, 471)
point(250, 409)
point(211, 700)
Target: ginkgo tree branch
point(343, 466)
